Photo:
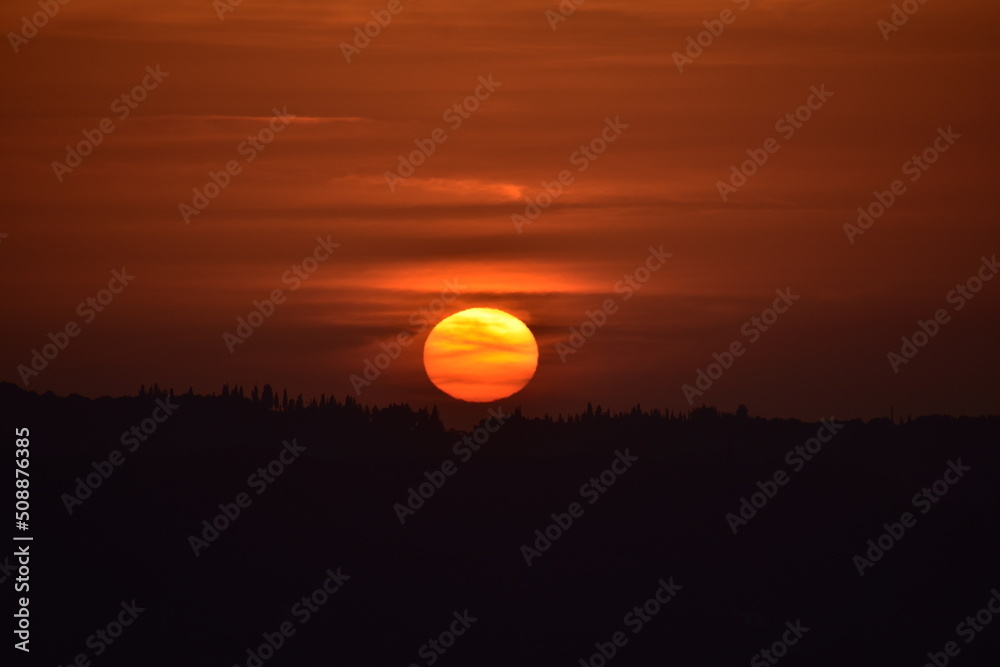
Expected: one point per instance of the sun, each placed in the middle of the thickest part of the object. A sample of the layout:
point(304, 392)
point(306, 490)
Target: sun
point(480, 355)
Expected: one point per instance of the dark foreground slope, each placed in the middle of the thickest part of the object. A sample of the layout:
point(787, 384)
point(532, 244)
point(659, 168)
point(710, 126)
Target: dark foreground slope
point(331, 507)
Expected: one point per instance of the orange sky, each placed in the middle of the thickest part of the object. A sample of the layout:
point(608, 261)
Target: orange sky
point(656, 184)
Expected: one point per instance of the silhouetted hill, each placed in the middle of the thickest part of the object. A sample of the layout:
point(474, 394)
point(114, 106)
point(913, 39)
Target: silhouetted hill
point(348, 470)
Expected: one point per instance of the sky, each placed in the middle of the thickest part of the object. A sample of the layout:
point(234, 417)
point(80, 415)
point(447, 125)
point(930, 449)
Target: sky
point(614, 107)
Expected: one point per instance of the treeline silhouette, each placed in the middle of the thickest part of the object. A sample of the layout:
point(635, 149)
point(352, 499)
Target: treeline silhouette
point(269, 399)
point(664, 516)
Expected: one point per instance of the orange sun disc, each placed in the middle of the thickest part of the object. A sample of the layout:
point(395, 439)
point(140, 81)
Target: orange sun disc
point(480, 355)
